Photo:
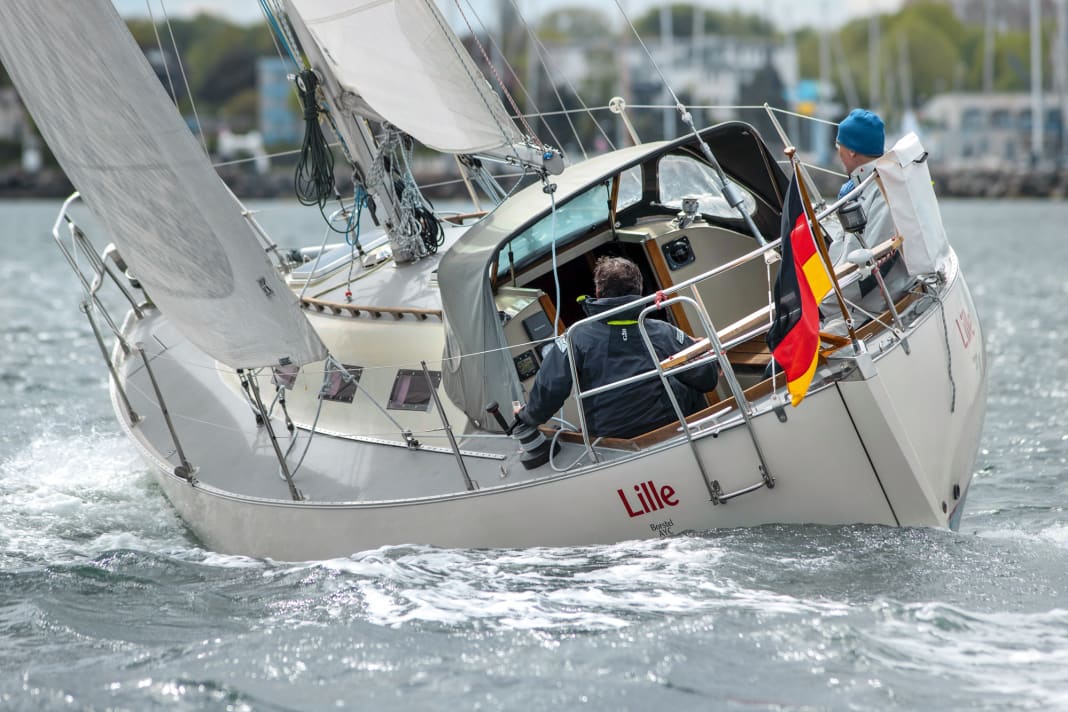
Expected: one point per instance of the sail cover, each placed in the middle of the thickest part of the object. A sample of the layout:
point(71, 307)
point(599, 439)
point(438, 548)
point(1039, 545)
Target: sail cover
point(144, 176)
point(402, 58)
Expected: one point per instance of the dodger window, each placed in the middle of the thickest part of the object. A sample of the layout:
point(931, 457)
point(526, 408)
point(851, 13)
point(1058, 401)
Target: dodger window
point(573, 218)
point(685, 177)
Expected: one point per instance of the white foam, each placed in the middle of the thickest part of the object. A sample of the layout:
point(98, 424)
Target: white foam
point(71, 496)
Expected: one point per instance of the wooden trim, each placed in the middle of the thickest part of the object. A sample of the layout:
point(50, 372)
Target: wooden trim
point(753, 352)
point(876, 325)
point(692, 351)
point(613, 201)
point(834, 339)
point(570, 436)
point(459, 219)
point(355, 310)
point(550, 311)
point(663, 277)
point(747, 323)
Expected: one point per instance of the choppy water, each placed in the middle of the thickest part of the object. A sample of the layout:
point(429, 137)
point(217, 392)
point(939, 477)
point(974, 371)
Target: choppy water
point(106, 602)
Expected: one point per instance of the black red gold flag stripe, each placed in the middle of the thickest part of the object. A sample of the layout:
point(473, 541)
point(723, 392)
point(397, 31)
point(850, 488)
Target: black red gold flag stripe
point(800, 287)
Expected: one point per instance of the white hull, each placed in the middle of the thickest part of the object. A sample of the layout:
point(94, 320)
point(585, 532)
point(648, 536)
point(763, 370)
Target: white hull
point(885, 449)
point(887, 435)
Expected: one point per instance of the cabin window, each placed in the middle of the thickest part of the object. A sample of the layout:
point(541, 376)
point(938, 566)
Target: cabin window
point(338, 387)
point(286, 376)
point(411, 391)
point(630, 188)
point(683, 177)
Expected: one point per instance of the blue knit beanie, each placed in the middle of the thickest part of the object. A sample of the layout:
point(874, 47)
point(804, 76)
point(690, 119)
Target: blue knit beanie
point(863, 132)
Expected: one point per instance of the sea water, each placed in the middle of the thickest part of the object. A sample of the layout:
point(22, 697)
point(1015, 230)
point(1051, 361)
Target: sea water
point(107, 601)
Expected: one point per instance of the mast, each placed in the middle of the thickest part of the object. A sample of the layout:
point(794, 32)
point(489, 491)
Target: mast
point(622, 54)
point(1060, 70)
point(988, 46)
point(873, 62)
point(357, 137)
point(908, 119)
point(822, 138)
point(1036, 82)
point(844, 74)
point(667, 41)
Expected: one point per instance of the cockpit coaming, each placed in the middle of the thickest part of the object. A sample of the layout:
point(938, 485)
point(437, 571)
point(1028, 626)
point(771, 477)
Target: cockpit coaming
point(664, 210)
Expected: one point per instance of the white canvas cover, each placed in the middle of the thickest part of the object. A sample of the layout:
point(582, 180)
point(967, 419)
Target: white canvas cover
point(115, 132)
point(906, 179)
point(405, 62)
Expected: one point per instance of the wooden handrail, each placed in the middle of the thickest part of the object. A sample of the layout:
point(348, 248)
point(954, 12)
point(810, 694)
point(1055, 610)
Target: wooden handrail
point(692, 351)
point(355, 310)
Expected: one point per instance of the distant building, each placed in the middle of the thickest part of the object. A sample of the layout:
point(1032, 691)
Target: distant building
point(979, 130)
point(280, 122)
point(713, 69)
point(708, 71)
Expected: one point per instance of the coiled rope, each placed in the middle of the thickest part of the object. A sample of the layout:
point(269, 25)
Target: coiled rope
point(313, 181)
point(421, 230)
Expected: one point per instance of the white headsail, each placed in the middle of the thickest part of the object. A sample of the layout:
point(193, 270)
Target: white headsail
point(432, 90)
point(120, 140)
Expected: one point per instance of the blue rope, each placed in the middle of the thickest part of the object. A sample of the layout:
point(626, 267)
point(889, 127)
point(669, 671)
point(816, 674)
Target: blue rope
point(352, 229)
point(277, 29)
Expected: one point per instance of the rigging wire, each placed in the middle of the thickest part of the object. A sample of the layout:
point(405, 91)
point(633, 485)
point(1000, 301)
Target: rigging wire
point(500, 82)
point(515, 76)
point(546, 60)
point(313, 179)
point(279, 33)
point(667, 85)
point(162, 54)
point(185, 79)
point(730, 191)
point(167, 67)
point(421, 230)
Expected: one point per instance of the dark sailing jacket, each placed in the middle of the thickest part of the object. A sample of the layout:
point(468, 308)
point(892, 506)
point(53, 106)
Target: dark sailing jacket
point(606, 352)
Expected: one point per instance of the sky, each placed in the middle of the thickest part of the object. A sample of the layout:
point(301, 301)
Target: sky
point(787, 14)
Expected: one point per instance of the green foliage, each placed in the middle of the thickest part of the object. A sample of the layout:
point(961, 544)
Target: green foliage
point(571, 23)
point(239, 112)
point(941, 53)
point(219, 58)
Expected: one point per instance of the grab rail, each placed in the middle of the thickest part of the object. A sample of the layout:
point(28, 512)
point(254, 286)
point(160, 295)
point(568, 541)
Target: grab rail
point(649, 304)
point(99, 268)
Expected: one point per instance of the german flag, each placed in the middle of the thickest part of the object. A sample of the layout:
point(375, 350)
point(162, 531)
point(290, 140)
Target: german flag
point(800, 287)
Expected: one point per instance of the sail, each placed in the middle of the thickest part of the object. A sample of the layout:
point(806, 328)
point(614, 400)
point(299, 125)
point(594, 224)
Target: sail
point(146, 179)
point(405, 62)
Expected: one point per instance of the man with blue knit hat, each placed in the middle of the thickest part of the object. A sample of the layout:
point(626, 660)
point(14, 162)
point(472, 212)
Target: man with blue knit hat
point(861, 141)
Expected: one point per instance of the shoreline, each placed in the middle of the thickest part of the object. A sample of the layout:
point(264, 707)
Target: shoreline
point(986, 183)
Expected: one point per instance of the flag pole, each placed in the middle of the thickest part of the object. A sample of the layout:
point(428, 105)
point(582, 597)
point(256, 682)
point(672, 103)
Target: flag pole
point(821, 246)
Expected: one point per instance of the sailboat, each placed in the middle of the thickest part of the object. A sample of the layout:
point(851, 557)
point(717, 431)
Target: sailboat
point(311, 405)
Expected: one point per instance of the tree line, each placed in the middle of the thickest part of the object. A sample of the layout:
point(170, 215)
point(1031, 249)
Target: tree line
point(939, 51)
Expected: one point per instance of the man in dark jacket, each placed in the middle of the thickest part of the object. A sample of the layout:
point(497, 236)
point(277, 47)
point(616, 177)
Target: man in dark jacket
point(609, 350)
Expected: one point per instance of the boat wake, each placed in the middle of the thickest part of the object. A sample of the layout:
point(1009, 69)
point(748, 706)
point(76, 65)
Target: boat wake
point(974, 649)
point(69, 497)
point(579, 589)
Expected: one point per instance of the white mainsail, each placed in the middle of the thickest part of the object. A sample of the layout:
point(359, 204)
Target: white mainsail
point(432, 89)
point(120, 140)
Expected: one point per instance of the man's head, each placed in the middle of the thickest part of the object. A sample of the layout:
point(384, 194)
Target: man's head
point(616, 277)
point(861, 137)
